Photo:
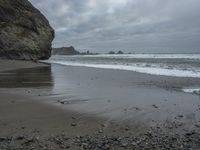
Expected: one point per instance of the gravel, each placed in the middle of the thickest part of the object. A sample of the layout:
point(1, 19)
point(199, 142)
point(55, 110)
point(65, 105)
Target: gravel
point(153, 139)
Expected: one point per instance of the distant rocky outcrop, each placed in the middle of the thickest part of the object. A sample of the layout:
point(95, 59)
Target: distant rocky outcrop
point(65, 51)
point(111, 52)
point(120, 52)
point(24, 32)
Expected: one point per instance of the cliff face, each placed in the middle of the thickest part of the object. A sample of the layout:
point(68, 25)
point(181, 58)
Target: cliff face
point(65, 51)
point(24, 32)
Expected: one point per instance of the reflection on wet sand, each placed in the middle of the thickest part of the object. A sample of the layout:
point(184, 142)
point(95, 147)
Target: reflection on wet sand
point(29, 77)
point(123, 95)
point(106, 93)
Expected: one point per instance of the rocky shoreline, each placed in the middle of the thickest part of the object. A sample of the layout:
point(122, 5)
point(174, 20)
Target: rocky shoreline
point(153, 139)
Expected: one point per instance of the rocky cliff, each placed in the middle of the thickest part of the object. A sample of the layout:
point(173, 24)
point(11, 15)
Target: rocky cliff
point(65, 51)
point(24, 32)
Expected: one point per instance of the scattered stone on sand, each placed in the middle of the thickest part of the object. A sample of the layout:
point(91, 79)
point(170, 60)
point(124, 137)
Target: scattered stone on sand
point(20, 137)
point(155, 106)
point(62, 102)
point(127, 128)
point(197, 125)
point(74, 118)
point(153, 139)
point(136, 108)
point(73, 124)
point(100, 131)
point(103, 125)
point(180, 116)
point(3, 139)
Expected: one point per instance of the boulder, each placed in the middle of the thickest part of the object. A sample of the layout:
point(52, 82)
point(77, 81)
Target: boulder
point(24, 32)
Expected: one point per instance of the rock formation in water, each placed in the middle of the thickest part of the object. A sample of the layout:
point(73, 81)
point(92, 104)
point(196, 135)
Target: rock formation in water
point(24, 32)
point(65, 51)
point(111, 52)
point(120, 52)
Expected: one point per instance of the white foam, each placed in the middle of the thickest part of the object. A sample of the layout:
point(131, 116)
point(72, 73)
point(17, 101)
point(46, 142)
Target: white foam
point(148, 70)
point(158, 56)
point(192, 90)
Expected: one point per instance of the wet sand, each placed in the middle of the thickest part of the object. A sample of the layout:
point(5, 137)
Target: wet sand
point(51, 103)
point(6, 65)
point(22, 109)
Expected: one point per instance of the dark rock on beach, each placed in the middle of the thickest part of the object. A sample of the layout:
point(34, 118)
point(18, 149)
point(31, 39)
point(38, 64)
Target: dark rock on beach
point(24, 32)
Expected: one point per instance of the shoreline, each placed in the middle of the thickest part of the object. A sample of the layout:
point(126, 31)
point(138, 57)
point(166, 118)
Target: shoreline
point(26, 120)
point(148, 64)
point(153, 76)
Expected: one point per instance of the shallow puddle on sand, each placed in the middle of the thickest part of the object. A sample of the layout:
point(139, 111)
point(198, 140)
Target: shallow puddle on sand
point(29, 77)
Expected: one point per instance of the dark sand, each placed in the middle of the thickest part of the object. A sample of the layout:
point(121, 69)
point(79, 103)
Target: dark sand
point(65, 107)
point(22, 109)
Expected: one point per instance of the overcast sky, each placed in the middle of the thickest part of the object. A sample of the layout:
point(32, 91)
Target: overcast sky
point(129, 25)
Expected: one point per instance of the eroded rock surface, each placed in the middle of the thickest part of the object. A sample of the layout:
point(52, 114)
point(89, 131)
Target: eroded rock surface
point(24, 32)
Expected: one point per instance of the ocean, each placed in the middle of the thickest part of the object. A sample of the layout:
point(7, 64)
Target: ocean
point(177, 65)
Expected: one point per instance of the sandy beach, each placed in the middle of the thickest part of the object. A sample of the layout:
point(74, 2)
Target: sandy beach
point(99, 75)
point(46, 106)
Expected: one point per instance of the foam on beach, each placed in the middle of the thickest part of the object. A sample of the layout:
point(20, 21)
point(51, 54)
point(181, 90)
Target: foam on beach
point(148, 70)
point(177, 65)
point(192, 90)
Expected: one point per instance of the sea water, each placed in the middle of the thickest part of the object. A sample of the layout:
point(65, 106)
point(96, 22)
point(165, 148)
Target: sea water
point(177, 65)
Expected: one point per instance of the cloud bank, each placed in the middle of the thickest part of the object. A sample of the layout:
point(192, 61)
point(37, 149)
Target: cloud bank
point(141, 26)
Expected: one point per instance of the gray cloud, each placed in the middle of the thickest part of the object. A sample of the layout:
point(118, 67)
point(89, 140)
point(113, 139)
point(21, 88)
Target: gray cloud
point(130, 25)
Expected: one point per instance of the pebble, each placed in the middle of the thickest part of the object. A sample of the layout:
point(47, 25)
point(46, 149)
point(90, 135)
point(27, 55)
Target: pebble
point(124, 144)
point(21, 137)
point(155, 106)
point(127, 128)
point(62, 102)
point(73, 118)
point(73, 124)
point(100, 131)
point(197, 125)
point(3, 139)
point(180, 116)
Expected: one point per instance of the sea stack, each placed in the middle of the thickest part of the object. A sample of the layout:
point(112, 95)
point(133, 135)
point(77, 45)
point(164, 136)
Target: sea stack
point(25, 33)
point(65, 51)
